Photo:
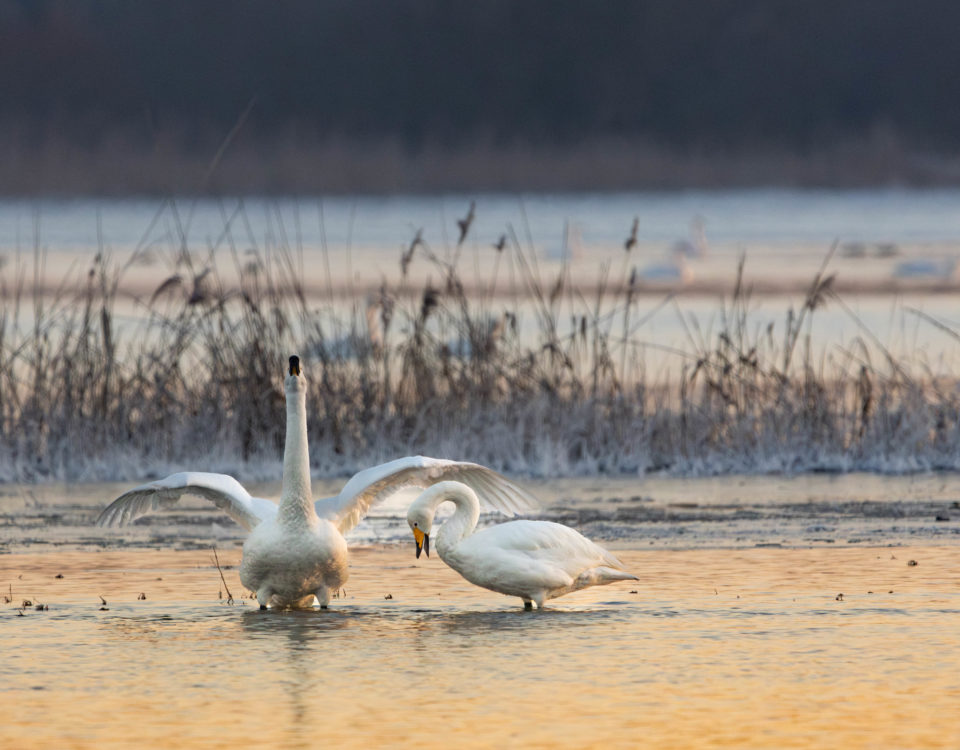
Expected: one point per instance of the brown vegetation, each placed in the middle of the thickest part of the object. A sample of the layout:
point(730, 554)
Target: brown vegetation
point(195, 380)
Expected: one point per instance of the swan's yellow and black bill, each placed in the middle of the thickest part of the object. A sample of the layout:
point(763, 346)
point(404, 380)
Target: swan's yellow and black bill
point(294, 365)
point(422, 540)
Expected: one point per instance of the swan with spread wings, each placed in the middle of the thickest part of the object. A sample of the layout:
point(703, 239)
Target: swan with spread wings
point(296, 550)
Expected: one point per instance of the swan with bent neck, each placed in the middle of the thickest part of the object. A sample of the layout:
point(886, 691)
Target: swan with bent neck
point(296, 550)
point(535, 560)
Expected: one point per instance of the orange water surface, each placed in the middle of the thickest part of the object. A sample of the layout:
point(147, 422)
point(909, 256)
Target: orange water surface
point(711, 648)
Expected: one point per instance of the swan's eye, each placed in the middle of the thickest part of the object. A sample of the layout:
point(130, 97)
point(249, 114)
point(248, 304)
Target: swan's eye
point(414, 523)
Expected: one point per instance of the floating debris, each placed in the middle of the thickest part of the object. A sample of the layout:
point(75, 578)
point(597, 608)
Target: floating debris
point(142, 597)
point(388, 596)
point(59, 575)
point(839, 597)
point(912, 563)
point(942, 517)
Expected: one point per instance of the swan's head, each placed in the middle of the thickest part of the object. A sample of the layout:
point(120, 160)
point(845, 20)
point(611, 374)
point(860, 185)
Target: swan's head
point(420, 520)
point(295, 382)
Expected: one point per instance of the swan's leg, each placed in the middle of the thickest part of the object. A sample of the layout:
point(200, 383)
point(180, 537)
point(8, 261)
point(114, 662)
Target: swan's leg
point(527, 604)
point(539, 598)
point(323, 596)
point(263, 596)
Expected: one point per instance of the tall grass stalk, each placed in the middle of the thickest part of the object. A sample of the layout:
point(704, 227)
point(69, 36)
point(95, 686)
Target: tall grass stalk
point(193, 380)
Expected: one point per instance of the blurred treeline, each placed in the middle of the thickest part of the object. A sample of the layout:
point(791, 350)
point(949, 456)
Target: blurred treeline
point(685, 76)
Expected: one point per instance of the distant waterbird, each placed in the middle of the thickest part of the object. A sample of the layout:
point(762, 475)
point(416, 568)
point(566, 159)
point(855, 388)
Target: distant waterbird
point(943, 269)
point(674, 271)
point(534, 560)
point(356, 344)
point(296, 550)
point(694, 246)
point(856, 249)
point(483, 339)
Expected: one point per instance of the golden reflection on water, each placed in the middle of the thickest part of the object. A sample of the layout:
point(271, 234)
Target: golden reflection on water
point(718, 648)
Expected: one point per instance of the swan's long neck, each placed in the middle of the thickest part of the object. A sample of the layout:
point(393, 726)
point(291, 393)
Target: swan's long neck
point(464, 520)
point(296, 499)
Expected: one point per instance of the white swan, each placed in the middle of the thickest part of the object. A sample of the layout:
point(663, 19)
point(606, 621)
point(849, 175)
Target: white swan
point(296, 549)
point(927, 268)
point(535, 560)
point(356, 344)
point(675, 270)
point(695, 246)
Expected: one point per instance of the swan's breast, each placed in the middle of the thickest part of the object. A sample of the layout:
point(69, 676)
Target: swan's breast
point(301, 559)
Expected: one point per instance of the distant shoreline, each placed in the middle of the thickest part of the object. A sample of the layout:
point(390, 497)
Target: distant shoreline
point(118, 165)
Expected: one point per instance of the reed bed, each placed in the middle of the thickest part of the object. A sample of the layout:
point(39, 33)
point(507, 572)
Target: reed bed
point(194, 378)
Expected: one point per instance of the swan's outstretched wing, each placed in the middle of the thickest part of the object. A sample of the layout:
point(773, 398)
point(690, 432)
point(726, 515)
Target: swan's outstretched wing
point(223, 491)
point(380, 482)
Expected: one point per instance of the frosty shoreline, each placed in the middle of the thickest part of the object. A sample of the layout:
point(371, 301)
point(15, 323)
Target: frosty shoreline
point(665, 513)
point(560, 383)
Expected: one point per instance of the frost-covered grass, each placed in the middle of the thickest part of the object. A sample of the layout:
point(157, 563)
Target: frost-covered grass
point(194, 379)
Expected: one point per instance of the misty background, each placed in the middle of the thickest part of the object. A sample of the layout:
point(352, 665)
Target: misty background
point(108, 97)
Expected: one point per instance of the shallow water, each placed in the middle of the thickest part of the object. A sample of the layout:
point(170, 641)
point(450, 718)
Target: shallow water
point(711, 648)
point(759, 620)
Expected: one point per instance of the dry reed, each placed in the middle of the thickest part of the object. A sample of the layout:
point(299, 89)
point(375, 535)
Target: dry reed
point(195, 380)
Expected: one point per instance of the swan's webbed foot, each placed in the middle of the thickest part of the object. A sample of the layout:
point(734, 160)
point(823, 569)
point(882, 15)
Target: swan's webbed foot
point(263, 607)
point(527, 605)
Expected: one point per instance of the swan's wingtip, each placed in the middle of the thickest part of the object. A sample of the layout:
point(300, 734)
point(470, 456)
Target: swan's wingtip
point(106, 519)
